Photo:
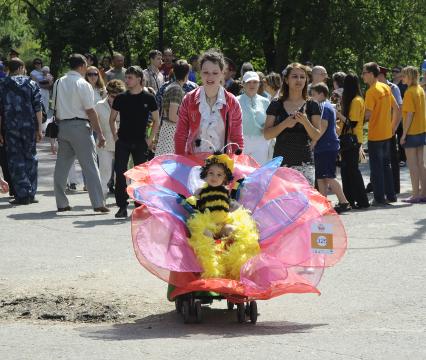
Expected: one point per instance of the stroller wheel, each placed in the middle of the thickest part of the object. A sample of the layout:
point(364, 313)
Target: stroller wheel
point(253, 312)
point(186, 311)
point(230, 305)
point(197, 311)
point(241, 313)
point(178, 305)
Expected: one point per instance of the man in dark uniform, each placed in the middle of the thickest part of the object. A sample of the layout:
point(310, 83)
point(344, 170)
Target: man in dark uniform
point(21, 117)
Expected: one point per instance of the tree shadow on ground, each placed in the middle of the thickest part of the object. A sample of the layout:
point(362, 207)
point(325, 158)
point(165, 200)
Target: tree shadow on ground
point(217, 323)
point(418, 234)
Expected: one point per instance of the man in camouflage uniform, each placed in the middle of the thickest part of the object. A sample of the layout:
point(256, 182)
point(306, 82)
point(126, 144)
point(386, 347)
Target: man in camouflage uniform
point(21, 117)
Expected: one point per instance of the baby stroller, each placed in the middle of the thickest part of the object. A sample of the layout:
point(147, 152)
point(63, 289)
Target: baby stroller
point(300, 234)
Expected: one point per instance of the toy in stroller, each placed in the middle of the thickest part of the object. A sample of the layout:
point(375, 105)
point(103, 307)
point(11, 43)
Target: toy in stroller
point(298, 234)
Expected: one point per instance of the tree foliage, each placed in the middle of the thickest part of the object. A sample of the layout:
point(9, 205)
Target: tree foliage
point(271, 33)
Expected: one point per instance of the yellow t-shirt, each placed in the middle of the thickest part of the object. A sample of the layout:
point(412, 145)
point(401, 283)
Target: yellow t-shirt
point(357, 113)
point(414, 101)
point(378, 99)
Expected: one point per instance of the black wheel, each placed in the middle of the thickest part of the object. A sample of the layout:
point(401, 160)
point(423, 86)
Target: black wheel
point(253, 312)
point(230, 305)
point(178, 305)
point(247, 309)
point(186, 311)
point(197, 311)
point(241, 313)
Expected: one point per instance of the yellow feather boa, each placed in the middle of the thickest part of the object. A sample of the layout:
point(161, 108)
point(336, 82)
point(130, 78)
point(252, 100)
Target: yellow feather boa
point(223, 260)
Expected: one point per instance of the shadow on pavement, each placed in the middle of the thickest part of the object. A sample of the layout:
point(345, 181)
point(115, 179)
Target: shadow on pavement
point(93, 223)
point(419, 232)
point(53, 214)
point(216, 323)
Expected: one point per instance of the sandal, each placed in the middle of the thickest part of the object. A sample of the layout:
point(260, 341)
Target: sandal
point(342, 207)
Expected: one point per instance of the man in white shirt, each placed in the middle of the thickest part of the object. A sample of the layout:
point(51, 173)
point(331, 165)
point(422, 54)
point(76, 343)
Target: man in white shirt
point(76, 116)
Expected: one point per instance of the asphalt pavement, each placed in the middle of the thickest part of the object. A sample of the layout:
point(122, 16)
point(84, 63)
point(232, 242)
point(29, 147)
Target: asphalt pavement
point(372, 306)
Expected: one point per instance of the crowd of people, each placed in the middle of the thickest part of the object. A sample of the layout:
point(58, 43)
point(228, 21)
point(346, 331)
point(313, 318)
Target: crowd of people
point(315, 122)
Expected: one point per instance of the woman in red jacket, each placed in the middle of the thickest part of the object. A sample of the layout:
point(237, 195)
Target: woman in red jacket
point(209, 116)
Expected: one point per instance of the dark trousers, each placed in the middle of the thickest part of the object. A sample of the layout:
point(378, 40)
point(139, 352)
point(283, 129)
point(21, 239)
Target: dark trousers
point(123, 150)
point(380, 170)
point(394, 155)
point(352, 181)
point(22, 161)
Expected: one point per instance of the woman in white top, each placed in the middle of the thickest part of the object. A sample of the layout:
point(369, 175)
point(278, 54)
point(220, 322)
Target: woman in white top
point(93, 78)
point(106, 154)
point(254, 108)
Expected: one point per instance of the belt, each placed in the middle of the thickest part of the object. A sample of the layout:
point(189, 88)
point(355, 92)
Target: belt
point(74, 118)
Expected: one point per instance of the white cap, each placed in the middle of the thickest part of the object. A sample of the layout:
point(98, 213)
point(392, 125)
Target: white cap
point(250, 76)
point(45, 68)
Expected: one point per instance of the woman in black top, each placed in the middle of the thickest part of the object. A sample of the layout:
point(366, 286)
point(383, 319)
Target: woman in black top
point(295, 121)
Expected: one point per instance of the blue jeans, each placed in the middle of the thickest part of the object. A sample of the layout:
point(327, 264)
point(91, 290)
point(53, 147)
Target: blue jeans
point(380, 170)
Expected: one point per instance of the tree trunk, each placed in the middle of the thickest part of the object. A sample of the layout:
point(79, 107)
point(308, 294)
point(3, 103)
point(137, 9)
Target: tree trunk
point(55, 61)
point(284, 35)
point(267, 14)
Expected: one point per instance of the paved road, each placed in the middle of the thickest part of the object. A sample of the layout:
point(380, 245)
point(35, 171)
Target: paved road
point(372, 304)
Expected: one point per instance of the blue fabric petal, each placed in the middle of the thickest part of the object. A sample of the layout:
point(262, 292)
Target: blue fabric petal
point(254, 186)
point(279, 213)
point(161, 198)
point(177, 171)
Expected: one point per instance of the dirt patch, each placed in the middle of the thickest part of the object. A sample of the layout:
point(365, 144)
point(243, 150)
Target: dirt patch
point(62, 308)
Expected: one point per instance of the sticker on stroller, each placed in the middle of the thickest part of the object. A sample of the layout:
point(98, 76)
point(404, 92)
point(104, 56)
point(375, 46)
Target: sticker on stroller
point(322, 238)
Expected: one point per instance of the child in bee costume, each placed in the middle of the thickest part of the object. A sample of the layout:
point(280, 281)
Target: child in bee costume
point(223, 234)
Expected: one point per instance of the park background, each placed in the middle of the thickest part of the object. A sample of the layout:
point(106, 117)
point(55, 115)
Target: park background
point(341, 35)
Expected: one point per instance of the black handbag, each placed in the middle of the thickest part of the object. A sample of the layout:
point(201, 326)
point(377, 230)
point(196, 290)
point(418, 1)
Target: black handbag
point(52, 128)
point(348, 140)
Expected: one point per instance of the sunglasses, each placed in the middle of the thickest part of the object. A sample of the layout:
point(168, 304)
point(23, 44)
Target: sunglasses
point(37, 63)
point(92, 74)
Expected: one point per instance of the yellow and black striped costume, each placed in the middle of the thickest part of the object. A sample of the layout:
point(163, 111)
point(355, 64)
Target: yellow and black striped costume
point(221, 258)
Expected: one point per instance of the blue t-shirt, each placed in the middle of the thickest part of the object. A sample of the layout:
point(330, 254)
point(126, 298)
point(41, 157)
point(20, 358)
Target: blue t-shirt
point(329, 140)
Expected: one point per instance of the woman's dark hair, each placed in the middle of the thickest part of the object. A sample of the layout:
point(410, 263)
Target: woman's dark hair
point(286, 73)
point(37, 60)
point(247, 66)
point(180, 69)
point(273, 80)
point(214, 56)
point(351, 89)
point(93, 58)
point(76, 60)
point(339, 78)
point(235, 88)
